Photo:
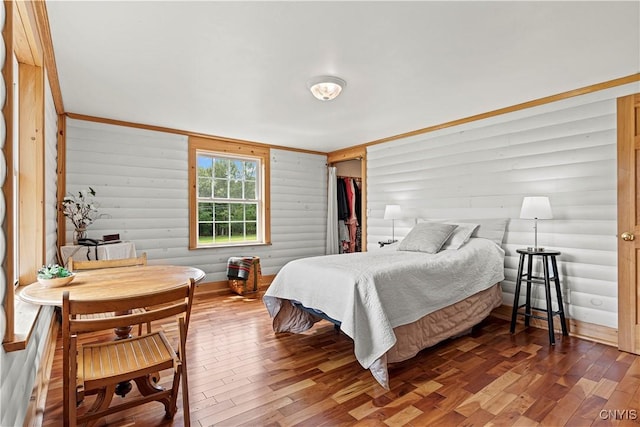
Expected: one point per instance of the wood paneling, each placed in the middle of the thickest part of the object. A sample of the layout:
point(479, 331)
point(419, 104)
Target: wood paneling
point(181, 132)
point(565, 150)
point(514, 108)
point(141, 180)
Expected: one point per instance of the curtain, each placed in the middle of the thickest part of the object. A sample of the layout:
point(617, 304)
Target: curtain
point(332, 213)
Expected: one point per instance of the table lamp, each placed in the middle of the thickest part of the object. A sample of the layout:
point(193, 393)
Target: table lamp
point(536, 208)
point(393, 212)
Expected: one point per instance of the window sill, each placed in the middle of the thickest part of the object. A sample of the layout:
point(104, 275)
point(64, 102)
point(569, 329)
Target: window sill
point(25, 317)
point(237, 245)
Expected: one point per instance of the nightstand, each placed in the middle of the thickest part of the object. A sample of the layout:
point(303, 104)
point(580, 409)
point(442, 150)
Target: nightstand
point(527, 255)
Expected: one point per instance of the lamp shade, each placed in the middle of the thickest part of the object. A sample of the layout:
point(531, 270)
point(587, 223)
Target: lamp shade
point(536, 208)
point(392, 212)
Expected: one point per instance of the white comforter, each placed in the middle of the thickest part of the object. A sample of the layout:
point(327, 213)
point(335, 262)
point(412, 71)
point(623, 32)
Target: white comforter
point(373, 292)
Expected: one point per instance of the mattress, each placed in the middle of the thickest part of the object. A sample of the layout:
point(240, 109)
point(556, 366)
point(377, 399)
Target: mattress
point(373, 294)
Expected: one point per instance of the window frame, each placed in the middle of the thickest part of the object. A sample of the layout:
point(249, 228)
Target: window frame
point(24, 223)
point(237, 150)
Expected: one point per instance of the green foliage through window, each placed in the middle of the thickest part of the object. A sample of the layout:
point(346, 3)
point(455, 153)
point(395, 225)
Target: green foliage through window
point(228, 199)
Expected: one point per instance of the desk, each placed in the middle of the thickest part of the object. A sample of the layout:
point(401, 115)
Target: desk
point(116, 282)
point(88, 253)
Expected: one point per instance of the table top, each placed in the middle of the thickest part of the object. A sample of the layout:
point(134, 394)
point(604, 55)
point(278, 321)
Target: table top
point(538, 251)
point(117, 282)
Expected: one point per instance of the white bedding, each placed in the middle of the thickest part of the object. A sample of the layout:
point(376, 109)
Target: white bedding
point(373, 292)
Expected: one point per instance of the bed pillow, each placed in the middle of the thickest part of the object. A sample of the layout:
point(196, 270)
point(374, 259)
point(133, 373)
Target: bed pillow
point(427, 237)
point(489, 228)
point(460, 235)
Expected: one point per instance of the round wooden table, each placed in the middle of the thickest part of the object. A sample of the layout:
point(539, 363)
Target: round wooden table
point(116, 282)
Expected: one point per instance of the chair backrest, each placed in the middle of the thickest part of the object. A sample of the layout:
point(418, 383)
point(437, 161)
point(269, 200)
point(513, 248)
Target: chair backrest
point(75, 265)
point(133, 361)
point(160, 305)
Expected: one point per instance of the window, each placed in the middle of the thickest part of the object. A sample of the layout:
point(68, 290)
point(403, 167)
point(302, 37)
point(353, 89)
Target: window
point(228, 199)
point(229, 202)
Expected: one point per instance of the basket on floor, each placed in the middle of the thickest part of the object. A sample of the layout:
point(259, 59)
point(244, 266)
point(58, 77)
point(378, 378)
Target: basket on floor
point(244, 274)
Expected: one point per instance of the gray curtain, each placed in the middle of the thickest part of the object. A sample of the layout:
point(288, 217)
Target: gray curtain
point(332, 213)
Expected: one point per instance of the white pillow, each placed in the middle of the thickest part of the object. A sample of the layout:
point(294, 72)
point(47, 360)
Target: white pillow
point(427, 237)
point(490, 228)
point(460, 235)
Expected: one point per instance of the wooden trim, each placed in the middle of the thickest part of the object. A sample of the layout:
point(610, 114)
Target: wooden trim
point(28, 315)
point(186, 133)
point(31, 177)
point(236, 148)
point(355, 153)
point(42, 23)
point(7, 186)
point(28, 44)
point(363, 201)
point(193, 220)
point(523, 106)
point(62, 181)
point(577, 328)
point(344, 152)
point(222, 287)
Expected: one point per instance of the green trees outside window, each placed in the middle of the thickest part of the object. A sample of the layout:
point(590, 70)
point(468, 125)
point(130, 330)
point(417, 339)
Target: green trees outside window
point(228, 199)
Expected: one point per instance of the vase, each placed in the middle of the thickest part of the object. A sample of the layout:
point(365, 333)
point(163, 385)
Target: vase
point(79, 233)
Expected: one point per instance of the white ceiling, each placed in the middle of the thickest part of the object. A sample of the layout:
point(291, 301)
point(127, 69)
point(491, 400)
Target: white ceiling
point(239, 69)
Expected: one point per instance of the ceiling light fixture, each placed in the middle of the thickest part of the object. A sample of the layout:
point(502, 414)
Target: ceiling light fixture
point(326, 88)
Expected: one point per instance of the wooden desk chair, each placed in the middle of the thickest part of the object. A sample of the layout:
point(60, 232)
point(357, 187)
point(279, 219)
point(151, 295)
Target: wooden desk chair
point(74, 265)
point(97, 368)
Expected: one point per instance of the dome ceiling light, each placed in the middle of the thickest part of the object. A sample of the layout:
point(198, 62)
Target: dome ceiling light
point(326, 88)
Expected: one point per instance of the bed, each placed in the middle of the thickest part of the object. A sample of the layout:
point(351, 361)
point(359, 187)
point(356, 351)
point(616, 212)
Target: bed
point(394, 303)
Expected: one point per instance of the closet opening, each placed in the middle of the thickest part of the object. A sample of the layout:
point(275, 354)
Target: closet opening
point(349, 223)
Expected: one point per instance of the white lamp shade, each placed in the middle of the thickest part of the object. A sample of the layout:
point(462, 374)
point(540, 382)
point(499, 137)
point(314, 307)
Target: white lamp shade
point(536, 208)
point(392, 212)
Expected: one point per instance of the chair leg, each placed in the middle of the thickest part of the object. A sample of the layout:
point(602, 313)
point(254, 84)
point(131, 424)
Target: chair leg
point(69, 387)
point(547, 292)
point(171, 407)
point(516, 296)
point(185, 383)
point(185, 398)
point(102, 402)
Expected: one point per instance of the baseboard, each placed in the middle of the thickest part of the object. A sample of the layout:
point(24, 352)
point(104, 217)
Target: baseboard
point(222, 287)
point(577, 328)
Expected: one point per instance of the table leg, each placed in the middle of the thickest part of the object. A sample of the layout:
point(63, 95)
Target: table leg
point(123, 332)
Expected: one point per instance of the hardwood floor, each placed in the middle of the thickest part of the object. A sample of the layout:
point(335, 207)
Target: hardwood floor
point(241, 373)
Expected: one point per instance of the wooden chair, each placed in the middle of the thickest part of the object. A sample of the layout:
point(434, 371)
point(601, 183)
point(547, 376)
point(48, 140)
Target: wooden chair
point(98, 367)
point(74, 265)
